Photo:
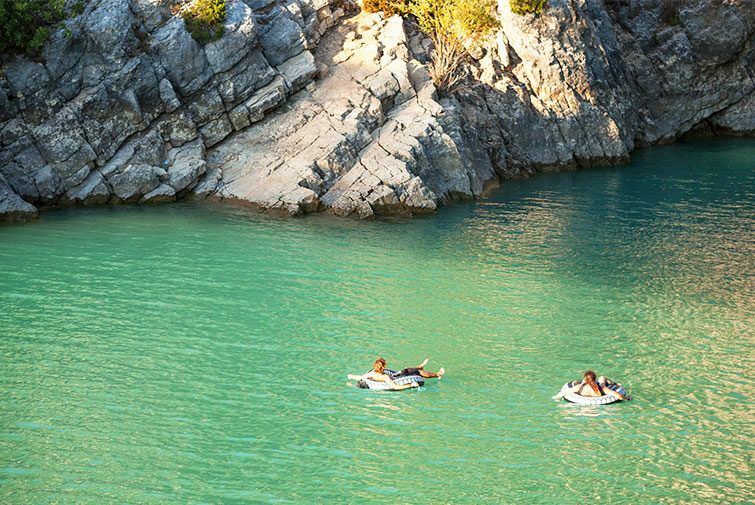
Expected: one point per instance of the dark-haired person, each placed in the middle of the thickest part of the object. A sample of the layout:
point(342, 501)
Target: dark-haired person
point(377, 374)
point(591, 387)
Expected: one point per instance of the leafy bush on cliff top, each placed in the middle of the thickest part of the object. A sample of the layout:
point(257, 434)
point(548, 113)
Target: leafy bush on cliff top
point(450, 24)
point(204, 19)
point(389, 7)
point(523, 7)
point(25, 24)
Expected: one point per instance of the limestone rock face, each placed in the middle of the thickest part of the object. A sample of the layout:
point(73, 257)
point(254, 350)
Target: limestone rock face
point(366, 140)
point(126, 79)
point(309, 105)
point(93, 191)
point(12, 206)
point(585, 82)
point(737, 119)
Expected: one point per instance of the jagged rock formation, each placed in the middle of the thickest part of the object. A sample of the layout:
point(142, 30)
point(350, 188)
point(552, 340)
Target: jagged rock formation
point(366, 139)
point(123, 107)
point(283, 114)
point(587, 81)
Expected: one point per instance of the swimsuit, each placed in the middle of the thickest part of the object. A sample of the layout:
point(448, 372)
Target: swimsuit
point(407, 372)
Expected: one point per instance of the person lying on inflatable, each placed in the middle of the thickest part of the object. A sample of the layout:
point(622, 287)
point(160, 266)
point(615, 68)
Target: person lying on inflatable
point(591, 387)
point(377, 374)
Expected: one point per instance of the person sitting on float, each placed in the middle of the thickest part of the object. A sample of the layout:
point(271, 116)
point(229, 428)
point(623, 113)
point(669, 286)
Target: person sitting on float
point(377, 374)
point(592, 388)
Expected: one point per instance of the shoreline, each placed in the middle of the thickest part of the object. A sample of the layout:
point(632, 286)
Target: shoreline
point(490, 191)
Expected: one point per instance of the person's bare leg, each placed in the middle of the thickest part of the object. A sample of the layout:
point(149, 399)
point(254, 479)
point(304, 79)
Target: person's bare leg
point(430, 375)
point(422, 365)
point(605, 381)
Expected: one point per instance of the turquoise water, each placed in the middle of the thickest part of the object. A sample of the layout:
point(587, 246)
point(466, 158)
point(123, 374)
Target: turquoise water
point(197, 353)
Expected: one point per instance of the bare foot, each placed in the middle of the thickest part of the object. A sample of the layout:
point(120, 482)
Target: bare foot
point(422, 365)
point(441, 372)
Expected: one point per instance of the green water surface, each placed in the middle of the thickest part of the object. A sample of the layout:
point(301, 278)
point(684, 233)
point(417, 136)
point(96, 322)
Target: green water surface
point(197, 353)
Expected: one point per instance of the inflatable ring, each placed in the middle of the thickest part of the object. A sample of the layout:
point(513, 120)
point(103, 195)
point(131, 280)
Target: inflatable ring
point(593, 400)
point(385, 386)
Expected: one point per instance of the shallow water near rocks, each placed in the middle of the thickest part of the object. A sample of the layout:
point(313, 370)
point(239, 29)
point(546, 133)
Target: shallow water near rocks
point(196, 353)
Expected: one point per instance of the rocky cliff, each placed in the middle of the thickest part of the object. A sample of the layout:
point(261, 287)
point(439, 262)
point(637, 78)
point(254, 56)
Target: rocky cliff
point(311, 105)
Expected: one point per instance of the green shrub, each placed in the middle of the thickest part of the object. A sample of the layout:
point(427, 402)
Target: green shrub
point(389, 7)
point(450, 24)
point(474, 17)
point(77, 8)
point(25, 24)
point(523, 7)
point(204, 19)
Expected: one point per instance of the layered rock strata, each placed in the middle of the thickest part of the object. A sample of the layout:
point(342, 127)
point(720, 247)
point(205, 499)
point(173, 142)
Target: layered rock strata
point(367, 139)
point(299, 109)
point(586, 82)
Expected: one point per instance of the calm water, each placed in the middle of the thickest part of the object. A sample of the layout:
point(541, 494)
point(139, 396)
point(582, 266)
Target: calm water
point(197, 354)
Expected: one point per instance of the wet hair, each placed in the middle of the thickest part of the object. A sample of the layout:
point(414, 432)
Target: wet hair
point(589, 379)
point(379, 365)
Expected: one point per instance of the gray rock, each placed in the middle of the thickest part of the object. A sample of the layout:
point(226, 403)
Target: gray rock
point(12, 206)
point(12, 131)
point(239, 117)
point(282, 39)
point(25, 77)
point(208, 184)
point(185, 165)
point(265, 99)
point(206, 106)
point(258, 5)
point(737, 119)
point(181, 56)
point(177, 128)
point(63, 52)
point(109, 27)
point(108, 120)
point(168, 95)
point(216, 130)
point(49, 185)
point(717, 32)
point(20, 180)
point(138, 79)
point(298, 70)
point(241, 81)
point(63, 145)
point(93, 191)
point(6, 110)
point(134, 181)
point(19, 163)
point(151, 12)
point(577, 85)
point(239, 36)
point(384, 87)
point(163, 193)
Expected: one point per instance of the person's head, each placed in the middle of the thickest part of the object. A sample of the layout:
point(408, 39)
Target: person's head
point(589, 379)
point(379, 365)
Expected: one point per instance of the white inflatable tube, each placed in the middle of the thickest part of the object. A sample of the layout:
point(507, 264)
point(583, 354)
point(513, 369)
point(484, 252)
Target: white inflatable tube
point(386, 386)
point(594, 400)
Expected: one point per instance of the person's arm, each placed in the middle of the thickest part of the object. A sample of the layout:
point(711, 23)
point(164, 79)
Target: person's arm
point(397, 387)
point(616, 394)
point(564, 392)
point(355, 377)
